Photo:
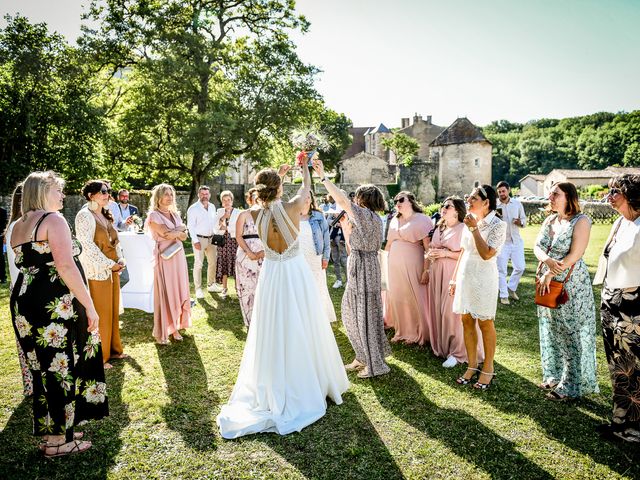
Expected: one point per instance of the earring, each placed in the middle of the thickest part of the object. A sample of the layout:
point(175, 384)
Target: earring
point(93, 205)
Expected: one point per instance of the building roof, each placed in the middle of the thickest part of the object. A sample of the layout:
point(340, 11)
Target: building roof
point(460, 131)
point(379, 129)
point(536, 177)
point(357, 145)
point(584, 173)
point(623, 170)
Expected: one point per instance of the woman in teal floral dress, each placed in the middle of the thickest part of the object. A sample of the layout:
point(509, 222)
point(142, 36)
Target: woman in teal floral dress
point(567, 333)
point(55, 320)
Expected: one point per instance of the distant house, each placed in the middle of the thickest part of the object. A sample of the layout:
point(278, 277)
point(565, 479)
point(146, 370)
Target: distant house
point(532, 185)
point(463, 155)
point(540, 185)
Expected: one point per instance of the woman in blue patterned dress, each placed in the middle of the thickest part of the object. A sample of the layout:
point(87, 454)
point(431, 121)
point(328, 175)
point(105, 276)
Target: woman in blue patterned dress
point(567, 333)
point(55, 320)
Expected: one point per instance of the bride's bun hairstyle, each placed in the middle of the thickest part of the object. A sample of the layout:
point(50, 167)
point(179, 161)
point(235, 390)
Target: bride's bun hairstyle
point(369, 196)
point(267, 183)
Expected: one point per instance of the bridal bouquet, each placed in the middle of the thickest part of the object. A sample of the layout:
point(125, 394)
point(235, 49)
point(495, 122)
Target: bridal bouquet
point(308, 141)
point(137, 222)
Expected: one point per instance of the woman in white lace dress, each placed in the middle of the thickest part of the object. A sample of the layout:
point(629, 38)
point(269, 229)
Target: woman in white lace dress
point(291, 362)
point(314, 243)
point(475, 282)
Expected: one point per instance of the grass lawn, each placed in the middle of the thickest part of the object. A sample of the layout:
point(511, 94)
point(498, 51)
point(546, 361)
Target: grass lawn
point(414, 423)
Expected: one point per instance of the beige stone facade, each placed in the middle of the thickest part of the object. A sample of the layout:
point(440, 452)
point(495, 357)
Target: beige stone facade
point(366, 168)
point(461, 167)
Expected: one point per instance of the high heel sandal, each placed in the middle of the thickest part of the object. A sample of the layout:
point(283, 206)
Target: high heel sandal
point(76, 436)
point(78, 446)
point(466, 381)
point(484, 386)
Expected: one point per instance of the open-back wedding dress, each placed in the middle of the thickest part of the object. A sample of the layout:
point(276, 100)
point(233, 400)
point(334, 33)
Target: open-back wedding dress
point(291, 361)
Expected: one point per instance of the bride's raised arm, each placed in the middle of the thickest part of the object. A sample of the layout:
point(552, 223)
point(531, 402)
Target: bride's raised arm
point(299, 199)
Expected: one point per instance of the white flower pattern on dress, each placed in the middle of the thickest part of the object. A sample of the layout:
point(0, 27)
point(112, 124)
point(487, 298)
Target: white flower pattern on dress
point(69, 414)
point(23, 326)
point(41, 247)
point(62, 307)
point(52, 335)
point(60, 364)
point(95, 392)
point(32, 360)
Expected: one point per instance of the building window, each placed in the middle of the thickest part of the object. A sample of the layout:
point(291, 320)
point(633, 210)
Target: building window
point(476, 162)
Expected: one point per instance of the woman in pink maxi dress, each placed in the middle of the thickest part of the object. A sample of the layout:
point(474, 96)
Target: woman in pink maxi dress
point(406, 297)
point(445, 327)
point(172, 304)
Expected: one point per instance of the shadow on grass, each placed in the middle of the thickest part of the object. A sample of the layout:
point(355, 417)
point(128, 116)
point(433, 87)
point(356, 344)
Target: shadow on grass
point(225, 315)
point(20, 458)
point(462, 433)
point(192, 404)
point(342, 444)
point(515, 395)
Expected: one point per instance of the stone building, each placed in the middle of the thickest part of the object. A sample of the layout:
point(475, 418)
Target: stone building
point(449, 160)
point(463, 155)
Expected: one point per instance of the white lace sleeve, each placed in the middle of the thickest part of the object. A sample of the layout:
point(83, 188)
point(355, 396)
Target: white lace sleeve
point(497, 234)
point(85, 231)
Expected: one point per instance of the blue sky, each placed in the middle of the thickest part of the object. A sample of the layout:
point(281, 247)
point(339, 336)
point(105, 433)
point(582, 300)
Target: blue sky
point(487, 60)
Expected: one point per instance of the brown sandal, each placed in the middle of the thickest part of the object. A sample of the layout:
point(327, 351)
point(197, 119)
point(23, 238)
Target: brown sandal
point(78, 446)
point(76, 436)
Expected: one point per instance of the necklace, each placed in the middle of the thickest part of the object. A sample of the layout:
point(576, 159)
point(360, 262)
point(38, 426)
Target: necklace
point(105, 224)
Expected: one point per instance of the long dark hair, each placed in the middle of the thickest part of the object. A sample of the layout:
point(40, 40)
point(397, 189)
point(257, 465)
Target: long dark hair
point(415, 206)
point(460, 207)
point(91, 188)
point(486, 192)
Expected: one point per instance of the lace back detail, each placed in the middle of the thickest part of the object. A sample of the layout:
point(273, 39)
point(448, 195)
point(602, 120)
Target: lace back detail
point(275, 213)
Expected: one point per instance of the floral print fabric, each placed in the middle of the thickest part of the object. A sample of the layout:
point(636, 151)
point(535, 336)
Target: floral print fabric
point(568, 333)
point(65, 361)
point(620, 314)
point(248, 271)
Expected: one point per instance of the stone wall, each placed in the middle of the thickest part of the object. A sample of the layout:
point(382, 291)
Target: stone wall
point(367, 168)
point(458, 171)
point(420, 179)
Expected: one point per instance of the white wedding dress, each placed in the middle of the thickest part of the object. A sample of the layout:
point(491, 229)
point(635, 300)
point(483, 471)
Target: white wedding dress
point(291, 361)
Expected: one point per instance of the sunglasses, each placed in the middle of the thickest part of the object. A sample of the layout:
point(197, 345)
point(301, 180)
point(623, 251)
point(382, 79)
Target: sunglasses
point(447, 207)
point(105, 190)
point(614, 191)
point(399, 200)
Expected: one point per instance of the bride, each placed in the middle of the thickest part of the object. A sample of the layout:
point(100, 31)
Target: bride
point(291, 361)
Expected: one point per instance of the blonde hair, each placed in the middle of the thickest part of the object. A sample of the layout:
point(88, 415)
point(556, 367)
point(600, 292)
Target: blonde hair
point(226, 193)
point(35, 189)
point(157, 193)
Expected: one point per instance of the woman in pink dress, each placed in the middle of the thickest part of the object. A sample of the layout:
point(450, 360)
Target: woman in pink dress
point(406, 298)
point(172, 305)
point(447, 339)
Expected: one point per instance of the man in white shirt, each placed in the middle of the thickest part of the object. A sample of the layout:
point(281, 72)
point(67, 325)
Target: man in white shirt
point(513, 248)
point(201, 222)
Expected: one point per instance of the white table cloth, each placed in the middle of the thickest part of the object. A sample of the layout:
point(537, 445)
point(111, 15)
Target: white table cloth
point(138, 251)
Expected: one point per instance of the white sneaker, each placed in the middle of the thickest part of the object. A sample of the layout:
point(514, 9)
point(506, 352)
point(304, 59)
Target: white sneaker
point(450, 362)
point(214, 287)
point(223, 293)
point(338, 284)
point(513, 294)
point(504, 301)
point(199, 293)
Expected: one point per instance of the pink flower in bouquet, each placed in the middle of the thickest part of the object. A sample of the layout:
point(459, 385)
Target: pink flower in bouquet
point(301, 158)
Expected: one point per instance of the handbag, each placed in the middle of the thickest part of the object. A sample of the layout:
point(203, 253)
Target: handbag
point(218, 240)
point(171, 250)
point(556, 295)
point(124, 277)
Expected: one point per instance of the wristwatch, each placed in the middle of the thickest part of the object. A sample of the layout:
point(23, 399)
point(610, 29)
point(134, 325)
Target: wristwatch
point(473, 229)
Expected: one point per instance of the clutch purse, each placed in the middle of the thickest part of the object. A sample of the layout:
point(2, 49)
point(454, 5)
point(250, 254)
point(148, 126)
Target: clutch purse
point(218, 240)
point(171, 250)
point(556, 295)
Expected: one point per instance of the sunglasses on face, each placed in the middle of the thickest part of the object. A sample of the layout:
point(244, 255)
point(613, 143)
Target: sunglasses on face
point(447, 207)
point(105, 190)
point(399, 200)
point(614, 191)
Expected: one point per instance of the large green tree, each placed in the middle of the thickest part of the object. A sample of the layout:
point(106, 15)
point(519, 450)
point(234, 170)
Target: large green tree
point(49, 117)
point(207, 81)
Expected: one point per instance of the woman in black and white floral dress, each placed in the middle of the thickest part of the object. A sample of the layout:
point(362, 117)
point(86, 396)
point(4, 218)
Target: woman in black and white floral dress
point(620, 308)
point(55, 320)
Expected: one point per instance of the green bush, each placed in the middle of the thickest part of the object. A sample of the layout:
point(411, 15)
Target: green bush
point(432, 208)
point(589, 192)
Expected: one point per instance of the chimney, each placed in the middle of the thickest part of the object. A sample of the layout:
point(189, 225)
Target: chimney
point(404, 122)
point(416, 117)
point(429, 119)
